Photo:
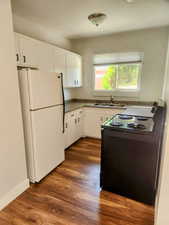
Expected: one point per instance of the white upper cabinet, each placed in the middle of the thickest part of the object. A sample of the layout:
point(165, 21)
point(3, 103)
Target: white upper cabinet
point(46, 57)
point(74, 70)
point(69, 64)
point(60, 63)
point(29, 53)
point(34, 53)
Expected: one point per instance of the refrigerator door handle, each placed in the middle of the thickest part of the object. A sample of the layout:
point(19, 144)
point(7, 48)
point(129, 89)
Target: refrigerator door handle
point(61, 76)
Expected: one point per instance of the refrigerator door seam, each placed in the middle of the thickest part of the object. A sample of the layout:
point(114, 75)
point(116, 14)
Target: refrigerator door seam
point(51, 106)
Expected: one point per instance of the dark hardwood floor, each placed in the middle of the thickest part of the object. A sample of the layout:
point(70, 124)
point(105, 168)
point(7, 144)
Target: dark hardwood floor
point(70, 195)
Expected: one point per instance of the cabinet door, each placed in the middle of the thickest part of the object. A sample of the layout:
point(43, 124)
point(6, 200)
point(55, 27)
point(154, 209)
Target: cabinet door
point(79, 124)
point(73, 68)
point(44, 56)
point(67, 131)
point(34, 53)
point(60, 63)
point(72, 128)
point(92, 123)
point(29, 52)
point(70, 70)
point(94, 118)
point(78, 74)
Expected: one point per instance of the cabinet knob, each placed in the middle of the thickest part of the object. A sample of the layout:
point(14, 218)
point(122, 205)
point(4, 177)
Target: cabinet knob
point(24, 59)
point(17, 57)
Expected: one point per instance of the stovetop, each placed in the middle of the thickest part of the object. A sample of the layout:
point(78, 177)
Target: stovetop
point(128, 123)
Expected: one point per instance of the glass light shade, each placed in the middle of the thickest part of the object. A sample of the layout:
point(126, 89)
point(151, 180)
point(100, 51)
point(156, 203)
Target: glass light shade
point(97, 18)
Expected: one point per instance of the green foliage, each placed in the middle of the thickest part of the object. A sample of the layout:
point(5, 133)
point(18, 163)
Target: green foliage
point(127, 76)
point(109, 79)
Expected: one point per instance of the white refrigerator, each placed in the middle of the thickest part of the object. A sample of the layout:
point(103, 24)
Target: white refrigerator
point(42, 108)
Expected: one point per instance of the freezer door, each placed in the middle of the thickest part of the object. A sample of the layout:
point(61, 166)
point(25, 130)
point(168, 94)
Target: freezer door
point(45, 89)
point(47, 139)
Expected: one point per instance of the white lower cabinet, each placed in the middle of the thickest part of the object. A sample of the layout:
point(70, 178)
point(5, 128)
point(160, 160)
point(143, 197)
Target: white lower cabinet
point(80, 122)
point(73, 127)
point(92, 121)
point(86, 122)
point(94, 118)
point(66, 133)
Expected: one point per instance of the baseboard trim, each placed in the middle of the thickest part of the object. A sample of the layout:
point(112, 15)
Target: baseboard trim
point(14, 193)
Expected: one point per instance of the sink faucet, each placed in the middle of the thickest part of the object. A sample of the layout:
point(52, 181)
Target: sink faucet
point(111, 99)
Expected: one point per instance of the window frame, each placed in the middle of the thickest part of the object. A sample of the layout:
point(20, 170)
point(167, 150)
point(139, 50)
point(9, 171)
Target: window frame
point(119, 90)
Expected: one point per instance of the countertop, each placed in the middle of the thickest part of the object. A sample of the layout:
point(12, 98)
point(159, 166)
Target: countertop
point(72, 105)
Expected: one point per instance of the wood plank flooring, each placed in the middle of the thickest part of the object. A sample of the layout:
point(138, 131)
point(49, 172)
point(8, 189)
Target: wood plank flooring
point(70, 195)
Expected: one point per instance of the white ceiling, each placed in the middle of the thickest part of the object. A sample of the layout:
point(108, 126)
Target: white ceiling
point(68, 18)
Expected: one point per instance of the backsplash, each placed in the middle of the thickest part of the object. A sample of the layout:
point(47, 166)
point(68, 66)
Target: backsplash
point(69, 93)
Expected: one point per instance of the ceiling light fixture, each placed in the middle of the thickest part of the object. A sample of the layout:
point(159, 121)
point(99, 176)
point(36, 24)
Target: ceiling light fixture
point(97, 18)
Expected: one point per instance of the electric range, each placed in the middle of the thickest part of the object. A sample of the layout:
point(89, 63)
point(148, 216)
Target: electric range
point(130, 157)
point(127, 123)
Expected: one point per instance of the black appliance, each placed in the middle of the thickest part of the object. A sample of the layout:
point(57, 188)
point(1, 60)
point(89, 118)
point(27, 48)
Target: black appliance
point(130, 157)
point(134, 124)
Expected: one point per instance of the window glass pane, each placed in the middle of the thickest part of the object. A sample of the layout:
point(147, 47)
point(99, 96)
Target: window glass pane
point(128, 76)
point(105, 77)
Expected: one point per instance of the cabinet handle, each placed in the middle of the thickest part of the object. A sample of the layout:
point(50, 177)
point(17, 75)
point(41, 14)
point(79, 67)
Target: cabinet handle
point(66, 126)
point(24, 59)
point(74, 82)
point(101, 119)
point(17, 57)
point(75, 121)
point(77, 82)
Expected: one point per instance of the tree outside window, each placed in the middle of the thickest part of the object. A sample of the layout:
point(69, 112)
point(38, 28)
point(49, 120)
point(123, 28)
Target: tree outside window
point(117, 76)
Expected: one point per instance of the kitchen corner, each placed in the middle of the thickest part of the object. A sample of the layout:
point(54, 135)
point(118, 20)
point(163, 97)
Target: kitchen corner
point(84, 108)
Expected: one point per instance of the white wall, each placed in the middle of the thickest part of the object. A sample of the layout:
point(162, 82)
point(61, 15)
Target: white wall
point(40, 33)
point(13, 175)
point(69, 93)
point(162, 215)
point(152, 42)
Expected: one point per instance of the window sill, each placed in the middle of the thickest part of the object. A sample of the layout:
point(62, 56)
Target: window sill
point(119, 93)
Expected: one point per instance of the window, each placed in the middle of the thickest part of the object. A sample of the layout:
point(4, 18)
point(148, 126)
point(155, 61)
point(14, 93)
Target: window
point(119, 76)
